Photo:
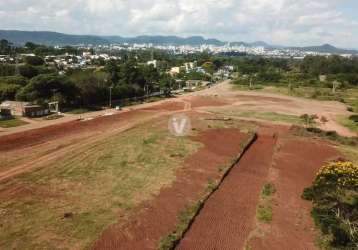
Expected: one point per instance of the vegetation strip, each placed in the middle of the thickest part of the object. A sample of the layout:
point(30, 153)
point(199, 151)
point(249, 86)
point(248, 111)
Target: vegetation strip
point(188, 216)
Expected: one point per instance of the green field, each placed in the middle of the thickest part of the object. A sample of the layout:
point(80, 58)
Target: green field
point(15, 122)
point(267, 116)
point(345, 121)
point(70, 202)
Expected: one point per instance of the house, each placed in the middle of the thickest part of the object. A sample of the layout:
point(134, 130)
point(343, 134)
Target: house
point(153, 62)
point(189, 66)
point(193, 84)
point(24, 109)
point(15, 107)
point(174, 71)
point(322, 78)
point(35, 111)
point(5, 112)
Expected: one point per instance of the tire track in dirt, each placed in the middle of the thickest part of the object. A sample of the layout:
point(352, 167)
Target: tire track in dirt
point(228, 216)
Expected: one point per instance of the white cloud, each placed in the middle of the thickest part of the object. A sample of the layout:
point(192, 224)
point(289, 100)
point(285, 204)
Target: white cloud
point(291, 22)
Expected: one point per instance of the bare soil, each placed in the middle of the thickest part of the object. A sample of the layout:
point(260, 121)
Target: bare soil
point(229, 215)
point(168, 106)
point(295, 165)
point(206, 101)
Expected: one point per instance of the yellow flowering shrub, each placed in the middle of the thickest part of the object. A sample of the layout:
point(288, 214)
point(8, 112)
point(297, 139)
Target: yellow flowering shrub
point(334, 195)
point(342, 174)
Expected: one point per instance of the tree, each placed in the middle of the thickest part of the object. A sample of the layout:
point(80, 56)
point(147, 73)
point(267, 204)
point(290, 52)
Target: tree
point(47, 88)
point(8, 91)
point(92, 86)
point(34, 60)
point(209, 67)
point(166, 82)
point(112, 69)
point(5, 47)
point(31, 46)
point(28, 71)
point(17, 80)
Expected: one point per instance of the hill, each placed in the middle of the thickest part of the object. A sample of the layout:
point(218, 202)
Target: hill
point(49, 38)
point(326, 48)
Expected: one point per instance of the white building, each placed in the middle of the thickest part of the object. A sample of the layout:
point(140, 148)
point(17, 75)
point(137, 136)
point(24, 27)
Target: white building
point(153, 62)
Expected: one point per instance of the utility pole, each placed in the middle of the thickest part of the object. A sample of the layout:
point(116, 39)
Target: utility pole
point(335, 84)
point(110, 97)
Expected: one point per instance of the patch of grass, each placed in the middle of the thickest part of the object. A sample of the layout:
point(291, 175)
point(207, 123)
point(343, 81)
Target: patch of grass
point(10, 123)
point(349, 123)
point(79, 111)
point(350, 152)
point(264, 213)
point(268, 190)
point(247, 87)
point(272, 116)
point(184, 219)
point(94, 185)
point(264, 208)
point(329, 135)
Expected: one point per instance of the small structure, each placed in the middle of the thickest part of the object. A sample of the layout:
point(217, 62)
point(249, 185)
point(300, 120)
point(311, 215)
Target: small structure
point(193, 84)
point(53, 107)
point(153, 62)
point(5, 112)
point(174, 71)
point(15, 107)
point(33, 111)
point(322, 78)
point(23, 109)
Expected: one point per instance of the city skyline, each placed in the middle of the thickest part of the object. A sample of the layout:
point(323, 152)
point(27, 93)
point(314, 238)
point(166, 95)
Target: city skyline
point(283, 22)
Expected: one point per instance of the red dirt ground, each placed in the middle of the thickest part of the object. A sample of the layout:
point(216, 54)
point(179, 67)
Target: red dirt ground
point(261, 98)
point(294, 168)
point(158, 217)
point(205, 101)
point(229, 214)
point(169, 106)
point(55, 132)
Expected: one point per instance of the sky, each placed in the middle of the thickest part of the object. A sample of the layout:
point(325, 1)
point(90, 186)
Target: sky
point(279, 22)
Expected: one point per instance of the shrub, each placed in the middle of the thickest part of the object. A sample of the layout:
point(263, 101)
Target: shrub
point(268, 189)
point(334, 194)
point(354, 118)
point(350, 109)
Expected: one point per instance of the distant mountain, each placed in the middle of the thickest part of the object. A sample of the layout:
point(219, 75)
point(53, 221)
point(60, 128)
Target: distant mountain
point(55, 38)
point(173, 40)
point(326, 48)
point(49, 38)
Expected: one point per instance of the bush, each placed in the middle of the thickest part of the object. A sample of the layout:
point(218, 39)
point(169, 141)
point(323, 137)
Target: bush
point(354, 118)
point(334, 194)
point(34, 60)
